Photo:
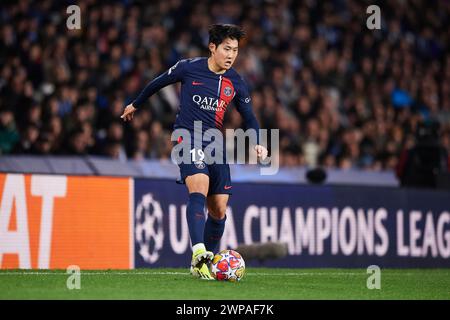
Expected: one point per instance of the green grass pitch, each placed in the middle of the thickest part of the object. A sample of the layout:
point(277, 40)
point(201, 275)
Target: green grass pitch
point(258, 284)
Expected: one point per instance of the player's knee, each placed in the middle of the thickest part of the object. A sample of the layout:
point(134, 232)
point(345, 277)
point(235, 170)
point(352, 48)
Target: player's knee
point(217, 212)
point(198, 183)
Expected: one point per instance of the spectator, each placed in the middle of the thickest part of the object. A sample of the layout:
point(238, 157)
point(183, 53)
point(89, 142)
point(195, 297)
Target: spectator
point(28, 137)
point(421, 165)
point(8, 131)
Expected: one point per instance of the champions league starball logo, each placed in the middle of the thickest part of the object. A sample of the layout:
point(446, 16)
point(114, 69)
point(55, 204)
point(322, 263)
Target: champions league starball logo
point(149, 228)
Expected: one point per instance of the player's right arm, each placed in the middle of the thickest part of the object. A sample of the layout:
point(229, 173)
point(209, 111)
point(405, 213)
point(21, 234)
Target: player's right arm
point(174, 74)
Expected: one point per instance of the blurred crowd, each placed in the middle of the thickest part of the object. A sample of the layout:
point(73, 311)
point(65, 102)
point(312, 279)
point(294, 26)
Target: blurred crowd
point(342, 95)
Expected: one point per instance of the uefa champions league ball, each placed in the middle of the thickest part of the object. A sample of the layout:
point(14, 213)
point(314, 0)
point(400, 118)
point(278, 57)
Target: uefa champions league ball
point(228, 265)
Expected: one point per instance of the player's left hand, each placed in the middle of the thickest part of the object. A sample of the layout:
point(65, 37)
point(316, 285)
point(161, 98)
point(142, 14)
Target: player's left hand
point(261, 151)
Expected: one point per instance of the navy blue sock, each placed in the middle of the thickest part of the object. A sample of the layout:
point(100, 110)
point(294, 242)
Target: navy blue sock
point(213, 232)
point(195, 215)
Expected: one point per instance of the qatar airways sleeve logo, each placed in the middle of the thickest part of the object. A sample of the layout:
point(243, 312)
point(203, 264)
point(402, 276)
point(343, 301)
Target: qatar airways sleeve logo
point(209, 103)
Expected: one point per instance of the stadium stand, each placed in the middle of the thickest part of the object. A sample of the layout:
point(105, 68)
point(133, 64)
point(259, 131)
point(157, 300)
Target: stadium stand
point(341, 96)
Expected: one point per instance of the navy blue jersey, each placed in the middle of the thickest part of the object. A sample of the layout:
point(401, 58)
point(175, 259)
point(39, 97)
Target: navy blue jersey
point(205, 95)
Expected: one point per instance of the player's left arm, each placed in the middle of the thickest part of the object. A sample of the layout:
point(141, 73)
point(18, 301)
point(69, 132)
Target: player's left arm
point(243, 103)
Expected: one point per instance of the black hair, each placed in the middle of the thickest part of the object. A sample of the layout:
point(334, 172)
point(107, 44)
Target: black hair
point(219, 32)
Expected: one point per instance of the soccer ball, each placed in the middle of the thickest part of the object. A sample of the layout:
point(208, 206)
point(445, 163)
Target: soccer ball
point(228, 265)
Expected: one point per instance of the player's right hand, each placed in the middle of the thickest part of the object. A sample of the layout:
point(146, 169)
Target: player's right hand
point(128, 112)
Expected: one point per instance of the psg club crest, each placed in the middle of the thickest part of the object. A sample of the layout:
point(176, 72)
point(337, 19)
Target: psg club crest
point(200, 164)
point(227, 91)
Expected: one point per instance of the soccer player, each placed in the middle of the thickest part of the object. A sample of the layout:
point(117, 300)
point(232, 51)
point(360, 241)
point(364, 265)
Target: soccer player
point(208, 85)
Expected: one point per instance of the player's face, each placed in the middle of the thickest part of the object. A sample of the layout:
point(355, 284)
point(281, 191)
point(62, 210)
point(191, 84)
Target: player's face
point(225, 53)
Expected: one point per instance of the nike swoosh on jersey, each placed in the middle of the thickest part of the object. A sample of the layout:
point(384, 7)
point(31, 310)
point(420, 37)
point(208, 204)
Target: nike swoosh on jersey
point(195, 83)
point(227, 187)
